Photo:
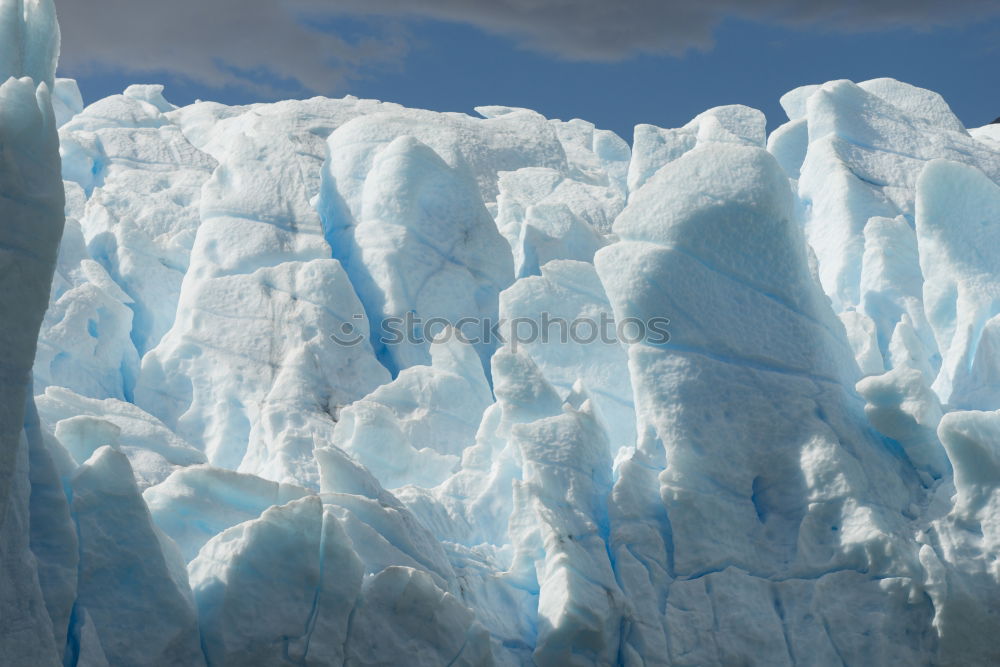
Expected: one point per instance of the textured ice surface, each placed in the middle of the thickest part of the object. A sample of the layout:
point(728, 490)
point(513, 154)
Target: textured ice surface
point(653, 147)
point(227, 462)
point(571, 291)
point(757, 454)
point(132, 583)
point(143, 181)
point(414, 429)
point(545, 217)
point(958, 231)
point(36, 565)
point(82, 425)
point(85, 343)
point(417, 238)
point(248, 371)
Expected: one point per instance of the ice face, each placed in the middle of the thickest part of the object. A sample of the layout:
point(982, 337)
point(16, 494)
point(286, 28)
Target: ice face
point(29, 40)
point(724, 452)
point(866, 148)
point(145, 618)
point(414, 429)
point(276, 274)
point(32, 208)
point(959, 582)
point(224, 463)
point(85, 343)
point(569, 292)
point(36, 549)
point(418, 241)
point(559, 530)
point(67, 101)
point(654, 147)
point(142, 180)
point(545, 217)
point(958, 231)
point(82, 425)
point(318, 587)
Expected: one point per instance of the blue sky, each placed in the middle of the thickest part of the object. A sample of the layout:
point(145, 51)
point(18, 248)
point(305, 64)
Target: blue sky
point(457, 62)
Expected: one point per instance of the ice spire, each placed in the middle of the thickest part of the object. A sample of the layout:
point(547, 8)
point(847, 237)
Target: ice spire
point(29, 40)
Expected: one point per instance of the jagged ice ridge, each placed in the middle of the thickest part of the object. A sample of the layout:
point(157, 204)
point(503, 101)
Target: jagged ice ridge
point(193, 471)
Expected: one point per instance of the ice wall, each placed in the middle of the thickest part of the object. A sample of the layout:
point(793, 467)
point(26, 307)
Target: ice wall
point(224, 464)
point(31, 203)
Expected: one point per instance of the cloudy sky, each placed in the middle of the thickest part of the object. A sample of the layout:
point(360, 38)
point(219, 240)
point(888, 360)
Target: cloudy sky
point(614, 62)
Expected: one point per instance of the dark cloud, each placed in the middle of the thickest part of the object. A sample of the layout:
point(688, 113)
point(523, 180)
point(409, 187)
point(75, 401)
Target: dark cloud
point(261, 45)
point(230, 42)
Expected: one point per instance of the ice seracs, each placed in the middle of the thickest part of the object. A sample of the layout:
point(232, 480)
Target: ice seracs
point(563, 321)
point(958, 231)
point(32, 602)
point(85, 343)
point(414, 429)
point(274, 271)
point(142, 179)
point(762, 465)
point(654, 147)
point(416, 240)
point(144, 617)
point(248, 446)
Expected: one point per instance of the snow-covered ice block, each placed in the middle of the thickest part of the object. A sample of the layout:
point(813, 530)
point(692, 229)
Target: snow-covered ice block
point(867, 145)
point(653, 147)
point(402, 612)
point(957, 551)
point(536, 480)
point(85, 343)
point(988, 134)
point(415, 238)
point(383, 530)
point(902, 406)
point(794, 101)
point(260, 259)
point(279, 589)
point(143, 181)
point(414, 429)
point(892, 285)
point(196, 503)
point(67, 101)
point(545, 217)
point(481, 147)
point(746, 415)
point(83, 425)
point(924, 104)
point(958, 234)
point(29, 40)
point(475, 504)
point(568, 307)
point(788, 144)
point(972, 440)
point(559, 528)
point(593, 156)
point(250, 370)
point(132, 581)
point(863, 337)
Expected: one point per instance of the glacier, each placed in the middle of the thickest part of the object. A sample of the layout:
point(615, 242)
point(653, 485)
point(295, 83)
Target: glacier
point(213, 453)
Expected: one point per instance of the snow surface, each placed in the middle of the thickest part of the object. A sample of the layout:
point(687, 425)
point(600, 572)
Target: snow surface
point(806, 472)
